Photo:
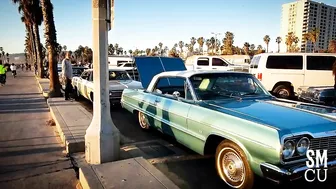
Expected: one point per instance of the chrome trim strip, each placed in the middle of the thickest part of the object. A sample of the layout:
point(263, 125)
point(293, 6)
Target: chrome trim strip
point(218, 128)
point(296, 170)
point(168, 123)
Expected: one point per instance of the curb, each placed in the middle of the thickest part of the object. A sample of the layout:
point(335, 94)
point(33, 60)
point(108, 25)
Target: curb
point(44, 93)
point(94, 176)
point(71, 144)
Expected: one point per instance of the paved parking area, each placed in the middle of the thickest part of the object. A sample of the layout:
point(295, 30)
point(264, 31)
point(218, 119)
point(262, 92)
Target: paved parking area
point(184, 167)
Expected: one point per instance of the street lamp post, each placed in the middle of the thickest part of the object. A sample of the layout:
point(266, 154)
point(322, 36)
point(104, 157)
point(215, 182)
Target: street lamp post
point(102, 142)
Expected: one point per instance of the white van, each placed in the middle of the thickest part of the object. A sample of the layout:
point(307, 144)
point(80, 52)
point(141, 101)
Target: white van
point(205, 62)
point(118, 60)
point(283, 73)
point(237, 59)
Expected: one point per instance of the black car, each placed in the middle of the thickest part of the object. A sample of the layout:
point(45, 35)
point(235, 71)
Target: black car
point(318, 95)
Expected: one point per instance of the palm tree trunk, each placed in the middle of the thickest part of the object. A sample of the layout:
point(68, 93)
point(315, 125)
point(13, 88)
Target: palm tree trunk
point(32, 44)
point(51, 44)
point(38, 50)
point(278, 47)
point(267, 47)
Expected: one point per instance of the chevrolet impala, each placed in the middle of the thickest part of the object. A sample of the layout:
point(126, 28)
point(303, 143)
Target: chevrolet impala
point(233, 116)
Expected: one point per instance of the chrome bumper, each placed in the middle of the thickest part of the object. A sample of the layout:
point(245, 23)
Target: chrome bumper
point(280, 175)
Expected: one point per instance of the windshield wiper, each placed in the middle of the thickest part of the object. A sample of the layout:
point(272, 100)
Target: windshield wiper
point(252, 93)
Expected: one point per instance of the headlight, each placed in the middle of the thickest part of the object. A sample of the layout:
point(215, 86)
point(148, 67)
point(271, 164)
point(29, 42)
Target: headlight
point(302, 146)
point(317, 95)
point(288, 149)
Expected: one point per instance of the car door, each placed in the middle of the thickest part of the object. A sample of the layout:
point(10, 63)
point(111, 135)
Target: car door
point(82, 84)
point(219, 64)
point(172, 109)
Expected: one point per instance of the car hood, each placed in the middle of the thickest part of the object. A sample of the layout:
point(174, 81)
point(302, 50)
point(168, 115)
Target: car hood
point(124, 84)
point(278, 116)
point(148, 67)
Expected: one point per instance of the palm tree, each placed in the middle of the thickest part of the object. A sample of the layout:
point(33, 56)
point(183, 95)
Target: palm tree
point(208, 44)
point(64, 46)
point(278, 41)
point(200, 42)
point(160, 46)
point(213, 44)
point(252, 47)
point(267, 39)
point(166, 49)
point(116, 47)
point(32, 11)
point(110, 49)
point(181, 45)
point(130, 52)
point(192, 44)
point(51, 44)
point(148, 51)
point(247, 48)
point(313, 36)
point(259, 49)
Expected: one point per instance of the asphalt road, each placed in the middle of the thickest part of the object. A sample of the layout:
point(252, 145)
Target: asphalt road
point(185, 168)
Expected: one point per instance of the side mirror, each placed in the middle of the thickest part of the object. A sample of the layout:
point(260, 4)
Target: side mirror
point(176, 94)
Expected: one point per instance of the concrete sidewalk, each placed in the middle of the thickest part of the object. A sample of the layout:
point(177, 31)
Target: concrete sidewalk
point(72, 120)
point(31, 155)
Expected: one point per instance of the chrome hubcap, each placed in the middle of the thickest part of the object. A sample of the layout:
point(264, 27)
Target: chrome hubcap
point(283, 93)
point(143, 122)
point(233, 167)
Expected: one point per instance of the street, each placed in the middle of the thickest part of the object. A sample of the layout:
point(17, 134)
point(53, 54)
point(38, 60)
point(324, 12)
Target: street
point(185, 168)
point(31, 155)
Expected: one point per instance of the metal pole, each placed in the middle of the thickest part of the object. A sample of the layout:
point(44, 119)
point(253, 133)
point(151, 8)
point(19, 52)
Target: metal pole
point(102, 142)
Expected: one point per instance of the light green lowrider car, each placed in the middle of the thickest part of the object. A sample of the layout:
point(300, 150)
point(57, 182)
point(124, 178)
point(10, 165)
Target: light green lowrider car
point(231, 115)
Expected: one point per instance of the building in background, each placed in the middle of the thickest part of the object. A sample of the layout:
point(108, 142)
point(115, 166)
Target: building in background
point(302, 16)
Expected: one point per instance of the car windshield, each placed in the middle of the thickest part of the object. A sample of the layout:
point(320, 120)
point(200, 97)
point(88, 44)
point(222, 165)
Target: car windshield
point(118, 75)
point(217, 86)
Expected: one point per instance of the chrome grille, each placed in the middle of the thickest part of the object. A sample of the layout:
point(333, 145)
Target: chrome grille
point(115, 93)
point(325, 143)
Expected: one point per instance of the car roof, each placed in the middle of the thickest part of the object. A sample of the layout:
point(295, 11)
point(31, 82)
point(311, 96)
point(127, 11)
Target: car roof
point(189, 73)
point(110, 69)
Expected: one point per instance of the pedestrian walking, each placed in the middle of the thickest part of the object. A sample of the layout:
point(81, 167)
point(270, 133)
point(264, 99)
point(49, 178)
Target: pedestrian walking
point(26, 66)
point(22, 66)
point(13, 68)
point(3, 71)
point(67, 75)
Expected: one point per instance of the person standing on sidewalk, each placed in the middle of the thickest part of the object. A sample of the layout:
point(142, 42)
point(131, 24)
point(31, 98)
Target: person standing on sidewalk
point(3, 71)
point(67, 74)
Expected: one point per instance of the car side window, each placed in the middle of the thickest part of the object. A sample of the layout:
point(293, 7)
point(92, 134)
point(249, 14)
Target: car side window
point(166, 86)
point(218, 62)
point(320, 62)
point(85, 75)
point(285, 62)
point(203, 62)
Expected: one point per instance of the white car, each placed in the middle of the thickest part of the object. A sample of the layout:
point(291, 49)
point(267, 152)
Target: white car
point(284, 73)
point(205, 62)
point(118, 81)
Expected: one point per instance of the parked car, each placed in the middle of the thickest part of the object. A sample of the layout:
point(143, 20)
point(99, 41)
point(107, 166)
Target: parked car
point(283, 73)
point(114, 60)
point(118, 81)
point(318, 95)
point(204, 62)
point(237, 59)
point(76, 72)
point(231, 115)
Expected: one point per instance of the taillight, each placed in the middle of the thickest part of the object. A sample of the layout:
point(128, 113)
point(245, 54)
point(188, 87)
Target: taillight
point(259, 76)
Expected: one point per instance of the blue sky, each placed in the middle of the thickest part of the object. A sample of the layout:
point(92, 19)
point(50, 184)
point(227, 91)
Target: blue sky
point(145, 23)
